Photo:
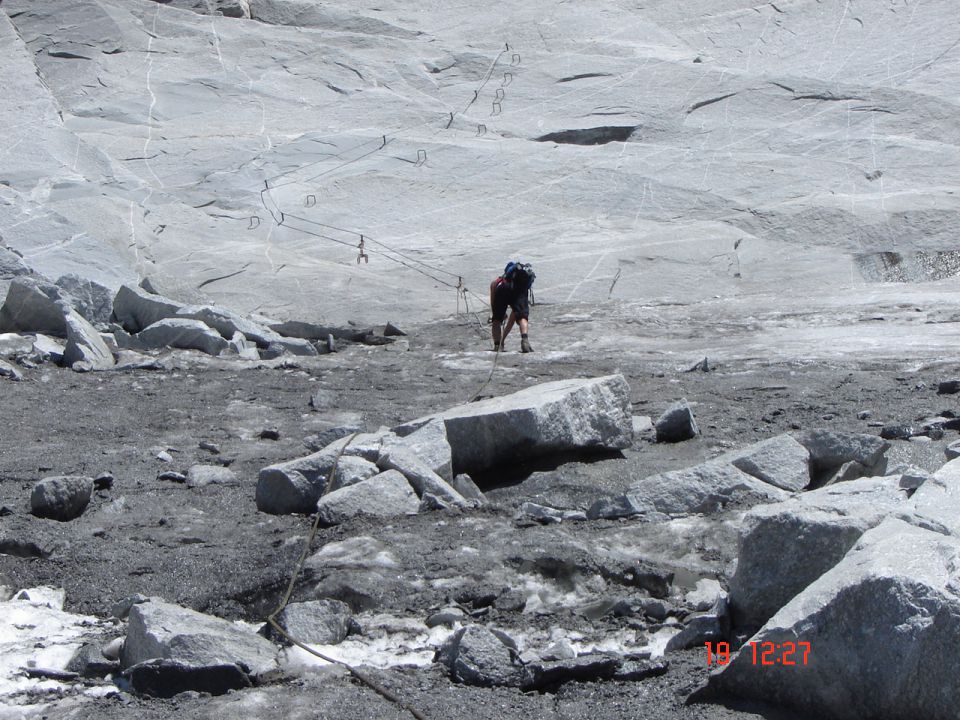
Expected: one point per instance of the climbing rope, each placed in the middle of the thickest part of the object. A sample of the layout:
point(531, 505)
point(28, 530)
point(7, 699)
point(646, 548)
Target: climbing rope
point(272, 618)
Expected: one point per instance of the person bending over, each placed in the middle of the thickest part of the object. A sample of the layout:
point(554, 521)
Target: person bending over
point(511, 290)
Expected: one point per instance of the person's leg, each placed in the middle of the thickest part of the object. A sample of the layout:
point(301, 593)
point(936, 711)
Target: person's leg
point(498, 308)
point(510, 321)
point(524, 325)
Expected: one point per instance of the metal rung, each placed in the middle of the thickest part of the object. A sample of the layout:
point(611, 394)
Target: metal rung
point(500, 94)
point(516, 59)
point(311, 200)
point(497, 108)
point(421, 157)
point(254, 222)
point(507, 79)
point(481, 129)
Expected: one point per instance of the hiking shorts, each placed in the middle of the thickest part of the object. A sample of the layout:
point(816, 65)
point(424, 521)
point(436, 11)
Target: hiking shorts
point(505, 296)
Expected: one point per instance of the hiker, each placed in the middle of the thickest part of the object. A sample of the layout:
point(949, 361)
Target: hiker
point(511, 290)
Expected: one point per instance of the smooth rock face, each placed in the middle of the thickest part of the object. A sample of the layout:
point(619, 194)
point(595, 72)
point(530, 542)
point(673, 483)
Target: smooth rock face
point(676, 424)
point(384, 495)
point(936, 503)
point(700, 489)
point(882, 625)
point(84, 345)
point(785, 547)
point(780, 461)
point(136, 309)
point(158, 630)
point(317, 622)
point(475, 655)
point(62, 497)
point(561, 416)
point(184, 334)
point(33, 306)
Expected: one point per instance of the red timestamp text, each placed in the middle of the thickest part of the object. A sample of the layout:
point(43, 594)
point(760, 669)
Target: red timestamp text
point(788, 653)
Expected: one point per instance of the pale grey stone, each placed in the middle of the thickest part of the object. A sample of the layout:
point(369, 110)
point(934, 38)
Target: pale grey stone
point(385, 495)
point(295, 486)
point(829, 450)
point(158, 630)
point(429, 443)
point(703, 488)
point(936, 503)
point(183, 334)
point(15, 344)
point(780, 461)
point(418, 473)
point(316, 622)
point(48, 348)
point(351, 470)
point(548, 515)
point(201, 475)
point(705, 594)
point(136, 309)
point(62, 497)
point(465, 485)
point(84, 345)
point(881, 628)
point(714, 624)
point(566, 415)
point(10, 372)
point(785, 547)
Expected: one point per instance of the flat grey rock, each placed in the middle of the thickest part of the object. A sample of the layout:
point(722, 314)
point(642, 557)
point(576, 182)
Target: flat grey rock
point(34, 306)
point(15, 344)
point(880, 628)
point(135, 308)
point(475, 655)
point(62, 497)
point(84, 346)
point(561, 416)
point(384, 495)
point(423, 479)
point(10, 372)
point(184, 334)
point(158, 630)
point(48, 348)
point(316, 622)
point(780, 461)
point(201, 475)
point(429, 443)
point(936, 503)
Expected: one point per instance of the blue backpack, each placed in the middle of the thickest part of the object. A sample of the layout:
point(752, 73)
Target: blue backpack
point(520, 275)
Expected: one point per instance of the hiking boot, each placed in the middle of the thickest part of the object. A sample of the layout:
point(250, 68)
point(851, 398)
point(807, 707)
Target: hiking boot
point(525, 345)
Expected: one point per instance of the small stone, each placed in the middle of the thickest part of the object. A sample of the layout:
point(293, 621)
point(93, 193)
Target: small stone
point(9, 371)
point(677, 423)
point(897, 432)
point(952, 450)
point(89, 662)
point(465, 485)
point(201, 475)
point(164, 456)
point(864, 414)
point(111, 651)
point(269, 434)
point(103, 481)
point(209, 447)
point(705, 595)
point(934, 431)
point(948, 387)
point(172, 476)
point(391, 330)
point(121, 608)
point(447, 617)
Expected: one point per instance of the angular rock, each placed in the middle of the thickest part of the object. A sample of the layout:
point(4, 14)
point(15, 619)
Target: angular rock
point(785, 547)
point(952, 450)
point(88, 661)
point(830, 450)
point(640, 669)
point(9, 371)
point(586, 668)
point(780, 461)
point(84, 345)
point(465, 485)
point(192, 647)
point(429, 443)
point(316, 622)
point(62, 497)
point(384, 495)
point(136, 309)
point(936, 503)
point(703, 488)
point(391, 330)
point(702, 627)
point(92, 300)
point(873, 637)
point(676, 424)
point(322, 439)
point(475, 655)
point(421, 477)
point(167, 678)
point(705, 594)
point(566, 415)
point(912, 478)
point(34, 306)
point(897, 432)
point(948, 387)
point(200, 475)
point(184, 334)
point(547, 515)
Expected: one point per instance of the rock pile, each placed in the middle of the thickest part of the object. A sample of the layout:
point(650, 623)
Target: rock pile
point(393, 472)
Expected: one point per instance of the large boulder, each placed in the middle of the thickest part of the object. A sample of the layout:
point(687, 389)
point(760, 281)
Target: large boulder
point(85, 349)
point(554, 417)
point(191, 650)
point(829, 451)
point(91, 299)
point(475, 655)
point(384, 495)
point(783, 548)
point(430, 444)
point(63, 497)
point(228, 323)
point(936, 503)
point(874, 637)
point(781, 461)
point(184, 334)
point(703, 488)
point(135, 308)
point(34, 306)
